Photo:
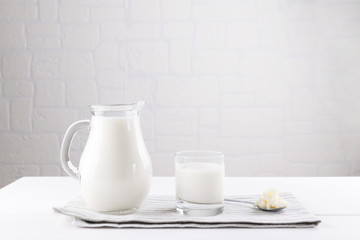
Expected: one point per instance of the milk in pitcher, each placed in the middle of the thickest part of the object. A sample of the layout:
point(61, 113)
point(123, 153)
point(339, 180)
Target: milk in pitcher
point(108, 182)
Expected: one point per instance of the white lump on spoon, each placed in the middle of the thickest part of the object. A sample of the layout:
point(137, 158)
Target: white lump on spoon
point(270, 199)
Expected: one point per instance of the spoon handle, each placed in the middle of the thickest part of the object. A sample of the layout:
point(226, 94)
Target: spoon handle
point(240, 201)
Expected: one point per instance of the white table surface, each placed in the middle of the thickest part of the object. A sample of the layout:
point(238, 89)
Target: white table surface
point(26, 210)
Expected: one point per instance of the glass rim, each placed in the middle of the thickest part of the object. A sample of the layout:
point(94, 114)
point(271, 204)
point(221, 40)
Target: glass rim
point(117, 107)
point(199, 154)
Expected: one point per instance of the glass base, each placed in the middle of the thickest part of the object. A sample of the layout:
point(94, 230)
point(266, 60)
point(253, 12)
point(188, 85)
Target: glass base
point(121, 212)
point(198, 209)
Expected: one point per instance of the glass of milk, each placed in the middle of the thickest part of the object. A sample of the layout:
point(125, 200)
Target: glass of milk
point(199, 177)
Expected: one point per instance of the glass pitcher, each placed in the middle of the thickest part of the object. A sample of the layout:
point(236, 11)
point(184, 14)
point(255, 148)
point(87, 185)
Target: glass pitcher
point(115, 169)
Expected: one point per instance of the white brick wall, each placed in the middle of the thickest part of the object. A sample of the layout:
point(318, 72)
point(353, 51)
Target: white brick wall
point(275, 85)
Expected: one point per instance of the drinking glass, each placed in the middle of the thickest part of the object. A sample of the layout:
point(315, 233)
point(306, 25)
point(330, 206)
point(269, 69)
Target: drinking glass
point(199, 177)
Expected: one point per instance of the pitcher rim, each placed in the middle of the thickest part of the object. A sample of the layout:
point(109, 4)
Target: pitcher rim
point(136, 106)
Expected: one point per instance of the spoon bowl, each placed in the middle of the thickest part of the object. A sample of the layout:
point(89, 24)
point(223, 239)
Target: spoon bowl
point(270, 209)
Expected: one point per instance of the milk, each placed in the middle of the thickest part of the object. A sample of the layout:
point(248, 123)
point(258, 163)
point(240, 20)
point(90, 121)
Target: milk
point(200, 182)
point(115, 167)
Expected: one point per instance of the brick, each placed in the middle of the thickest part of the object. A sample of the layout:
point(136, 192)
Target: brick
point(41, 148)
point(209, 35)
point(208, 117)
point(314, 149)
point(139, 89)
point(346, 50)
point(41, 29)
point(244, 166)
point(48, 10)
point(50, 170)
point(46, 65)
point(27, 2)
point(81, 93)
point(346, 93)
point(339, 169)
point(142, 31)
point(76, 65)
point(300, 71)
point(341, 12)
point(237, 100)
point(12, 36)
point(147, 124)
point(342, 29)
point(174, 144)
point(271, 18)
point(327, 124)
point(250, 122)
point(111, 78)
point(17, 12)
point(43, 42)
point(111, 3)
point(215, 62)
point(273, 38)
point(145, 9)
point(301, 104)
point(5, 115)
point(63, 65)
point(232, 84)
point(106, 56)
point(349, 123)
point(239, 146)
point(208, 139)
point(303, 39)
point(185, 91)
point(10, 173)
point(107, 14)
point(355, 170)
point(163, 164)
point(267, 145)
point(111, 96)
point(18, 88)
point(351, 146)
point(73, 14)
point(176, 122)
point(122, 56)
point(301, 170)
point(112, 30)
point(268, 6)
point(148, 57)
point(178, 30)
point(306, 127)
point(47, 119)
point(180, 56)
point(50, 93)
point(176, 9)
point(224, 10)
point(9, 145)
point(269, 93)
point(20, 118)
point(16, 65)
point(80, 37)
point(333, 107)
point(80, 2)
point(262, 64)
point(301, 11)
point(272, 163)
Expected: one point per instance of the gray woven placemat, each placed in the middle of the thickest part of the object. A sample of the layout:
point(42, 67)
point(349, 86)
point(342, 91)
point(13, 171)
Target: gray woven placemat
point(159, 212)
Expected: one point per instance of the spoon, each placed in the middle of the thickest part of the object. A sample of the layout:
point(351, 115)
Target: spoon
point(264, 209)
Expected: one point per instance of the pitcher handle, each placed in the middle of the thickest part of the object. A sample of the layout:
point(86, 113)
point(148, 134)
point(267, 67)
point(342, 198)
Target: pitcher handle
point(66, 164)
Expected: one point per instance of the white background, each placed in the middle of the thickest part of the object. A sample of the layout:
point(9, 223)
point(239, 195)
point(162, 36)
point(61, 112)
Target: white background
point(275, 85)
